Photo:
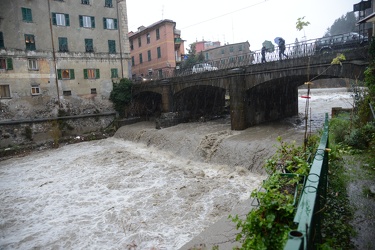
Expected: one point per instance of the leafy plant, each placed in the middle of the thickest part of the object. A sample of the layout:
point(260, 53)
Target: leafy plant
point(288, 158)
point(121, 95)
point(267, 226)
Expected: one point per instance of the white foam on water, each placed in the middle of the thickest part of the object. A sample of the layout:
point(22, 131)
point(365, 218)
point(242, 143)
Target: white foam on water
point(144, 188)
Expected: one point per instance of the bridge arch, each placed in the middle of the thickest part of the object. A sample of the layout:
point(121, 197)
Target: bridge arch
point(258, 93)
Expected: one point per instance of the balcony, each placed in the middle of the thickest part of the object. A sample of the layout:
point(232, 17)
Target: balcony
point(177, 41)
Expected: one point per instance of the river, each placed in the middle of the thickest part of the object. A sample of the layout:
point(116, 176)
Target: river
point(142, 188)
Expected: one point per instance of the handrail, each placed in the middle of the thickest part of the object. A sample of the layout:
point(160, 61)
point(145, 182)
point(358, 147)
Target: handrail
point(308, 214)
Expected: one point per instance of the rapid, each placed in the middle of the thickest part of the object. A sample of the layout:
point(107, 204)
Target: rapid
point(143, 188)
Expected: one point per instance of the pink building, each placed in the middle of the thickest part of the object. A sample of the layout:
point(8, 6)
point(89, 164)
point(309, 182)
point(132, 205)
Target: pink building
point(156, 50)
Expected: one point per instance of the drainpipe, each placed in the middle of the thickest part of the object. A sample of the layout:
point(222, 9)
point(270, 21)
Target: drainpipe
point(119, 37)
point(53, 54)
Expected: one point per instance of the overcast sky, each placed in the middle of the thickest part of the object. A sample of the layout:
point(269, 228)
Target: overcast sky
point(240, 20)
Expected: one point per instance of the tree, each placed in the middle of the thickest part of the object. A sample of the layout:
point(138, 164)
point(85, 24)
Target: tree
point(193, 58)
point(300, 24)
point(346, 23)
point(121, 95)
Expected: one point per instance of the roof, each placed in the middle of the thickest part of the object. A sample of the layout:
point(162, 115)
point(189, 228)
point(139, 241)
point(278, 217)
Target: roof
point(142, 28)
point(227, 45)
point(369, 18)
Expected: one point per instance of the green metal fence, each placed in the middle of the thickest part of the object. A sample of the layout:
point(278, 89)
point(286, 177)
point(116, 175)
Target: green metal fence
point(309, 211)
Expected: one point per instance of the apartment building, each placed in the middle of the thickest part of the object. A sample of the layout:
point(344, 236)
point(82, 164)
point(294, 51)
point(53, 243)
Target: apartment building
point(205, 45)
point(156, 50)
point(61, 54)
point(229, 54)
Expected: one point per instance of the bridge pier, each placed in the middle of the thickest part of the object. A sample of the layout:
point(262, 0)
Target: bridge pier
point(166, 99)
point(237, 93)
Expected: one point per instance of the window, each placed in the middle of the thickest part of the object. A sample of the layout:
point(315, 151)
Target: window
point(85, 1)
point(112, 46)
point(89, 45)
point(114, 73)
point(231, 49)
point(159, 52)
point(149, 55)
point(35, 90)
point(33, 64)
point(110, 23)
point(108, 3)
point(30, 42)
point(67, 92)
point(1, 40)
point(65, 74)
point(4, 91)
point(239, 47)
point(93, 91)
point(133, 62)
point(60, 19)
point(148, 38)
point(26, 15)
point(157, 34)
point(222, 51)
point(87, 21)
point(131, 45)
point(91, 73)
point(140, 58)
point(139, 42)
point(63, 44)
point(6, 63)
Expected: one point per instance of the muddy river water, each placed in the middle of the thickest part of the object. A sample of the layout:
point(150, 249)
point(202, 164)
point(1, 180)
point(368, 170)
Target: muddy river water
point(143, 188)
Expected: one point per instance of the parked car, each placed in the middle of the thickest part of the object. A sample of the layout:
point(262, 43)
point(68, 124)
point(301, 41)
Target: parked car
point(202, 67)
point(342, 41)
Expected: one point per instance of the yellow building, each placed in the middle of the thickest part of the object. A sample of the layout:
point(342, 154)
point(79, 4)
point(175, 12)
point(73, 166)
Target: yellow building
point(61, 55)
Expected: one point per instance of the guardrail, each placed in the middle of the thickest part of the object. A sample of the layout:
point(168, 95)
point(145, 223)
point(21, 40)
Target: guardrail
point(309, 211)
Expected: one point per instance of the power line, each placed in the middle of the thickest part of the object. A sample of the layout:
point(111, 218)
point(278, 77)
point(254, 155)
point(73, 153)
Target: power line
point(226, 14)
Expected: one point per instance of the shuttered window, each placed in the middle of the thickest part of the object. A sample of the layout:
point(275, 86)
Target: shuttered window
point(26, 15)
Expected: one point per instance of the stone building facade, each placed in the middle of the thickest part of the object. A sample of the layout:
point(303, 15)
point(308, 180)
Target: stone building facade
point(61, 55)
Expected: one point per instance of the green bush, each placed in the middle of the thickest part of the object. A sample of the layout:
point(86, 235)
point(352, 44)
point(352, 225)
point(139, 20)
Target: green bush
point(340, 128)
point(121, 95)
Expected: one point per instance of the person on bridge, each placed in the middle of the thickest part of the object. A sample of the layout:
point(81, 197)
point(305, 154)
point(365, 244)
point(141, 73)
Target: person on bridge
point(264, 54)
point(282, 49)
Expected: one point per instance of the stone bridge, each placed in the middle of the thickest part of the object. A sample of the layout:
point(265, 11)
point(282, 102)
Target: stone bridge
point(253, 94)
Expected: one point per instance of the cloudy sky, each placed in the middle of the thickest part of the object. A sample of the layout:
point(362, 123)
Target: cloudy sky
point(240, 20)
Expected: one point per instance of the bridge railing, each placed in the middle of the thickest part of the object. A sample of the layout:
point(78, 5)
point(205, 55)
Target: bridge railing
point(292, 51)
point(309, 211)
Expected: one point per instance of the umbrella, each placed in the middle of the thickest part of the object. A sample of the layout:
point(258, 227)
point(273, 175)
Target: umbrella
point(277, 40)
point(269, 46)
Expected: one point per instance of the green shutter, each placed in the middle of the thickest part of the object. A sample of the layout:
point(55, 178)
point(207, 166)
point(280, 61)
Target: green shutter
point(23, 14)
point(80, 21)
point(9, 63)
point(54, 22)
point(67, 20)
point(97, 73)
point(85, 76)
point(104, 23)
point(59, 74)
point(92, 22)
point(115, 20)
point(71, 73)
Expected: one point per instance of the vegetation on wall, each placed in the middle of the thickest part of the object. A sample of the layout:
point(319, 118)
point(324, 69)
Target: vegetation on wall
point(267, 226)
point(121, 95)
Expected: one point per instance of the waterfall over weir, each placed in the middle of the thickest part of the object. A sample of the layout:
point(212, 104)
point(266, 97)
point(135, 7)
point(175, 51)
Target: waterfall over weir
point(144, 188)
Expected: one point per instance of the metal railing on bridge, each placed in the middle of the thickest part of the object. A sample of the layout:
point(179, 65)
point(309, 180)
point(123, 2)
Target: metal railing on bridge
point(309, 211)
point(292, 51)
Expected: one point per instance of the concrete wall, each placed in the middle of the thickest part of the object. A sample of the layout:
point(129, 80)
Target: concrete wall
point(36, 132)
